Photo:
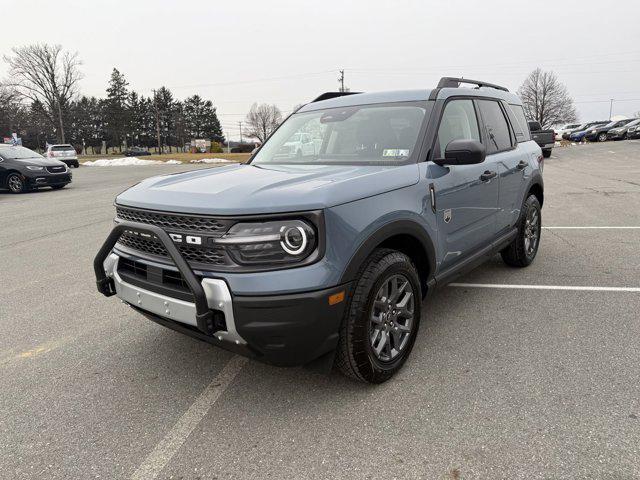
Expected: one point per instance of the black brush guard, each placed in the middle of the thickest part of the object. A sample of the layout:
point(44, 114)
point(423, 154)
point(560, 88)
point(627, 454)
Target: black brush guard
point(106, 286)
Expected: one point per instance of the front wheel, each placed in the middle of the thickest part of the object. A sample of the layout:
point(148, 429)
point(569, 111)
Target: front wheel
point(382, 320)
point(15, 183)
point(523, 249)
point(602, 137)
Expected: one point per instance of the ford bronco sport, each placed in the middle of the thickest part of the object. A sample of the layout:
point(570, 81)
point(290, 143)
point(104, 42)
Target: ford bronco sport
point(314, 257)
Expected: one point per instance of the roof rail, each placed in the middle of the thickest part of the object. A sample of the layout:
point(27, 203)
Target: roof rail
point(328, 95)
point(452, 82)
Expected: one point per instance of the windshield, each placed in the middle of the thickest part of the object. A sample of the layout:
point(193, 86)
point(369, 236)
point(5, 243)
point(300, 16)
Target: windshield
point(17, 153)
point(369, 134)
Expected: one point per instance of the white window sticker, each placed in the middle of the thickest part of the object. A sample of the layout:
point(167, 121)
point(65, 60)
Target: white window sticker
point(395, 152)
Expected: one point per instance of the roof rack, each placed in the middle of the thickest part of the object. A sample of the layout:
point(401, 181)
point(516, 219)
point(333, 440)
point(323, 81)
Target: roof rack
point(328, 95)
point(452, 82)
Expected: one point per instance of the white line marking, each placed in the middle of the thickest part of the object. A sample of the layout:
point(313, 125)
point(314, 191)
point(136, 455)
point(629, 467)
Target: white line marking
point(547, 287)
point(591, 228)
point(173, 440)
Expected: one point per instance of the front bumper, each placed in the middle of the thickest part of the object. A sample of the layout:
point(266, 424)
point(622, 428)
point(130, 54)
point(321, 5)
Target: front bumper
point(284, 330)
point(46, 179)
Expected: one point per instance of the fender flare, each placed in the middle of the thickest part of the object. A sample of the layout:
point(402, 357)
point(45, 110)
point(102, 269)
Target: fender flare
point(536, 179)
point(389, 230)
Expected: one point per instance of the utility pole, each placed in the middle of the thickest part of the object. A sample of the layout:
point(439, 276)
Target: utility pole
point(341, 80)
point(240, 123)
point(155, 104)
point(611, 109)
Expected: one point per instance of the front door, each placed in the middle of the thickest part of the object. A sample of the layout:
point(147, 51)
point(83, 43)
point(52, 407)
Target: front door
point(466, 196)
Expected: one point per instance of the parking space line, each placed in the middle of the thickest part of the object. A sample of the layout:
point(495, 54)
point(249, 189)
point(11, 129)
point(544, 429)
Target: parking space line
point(547, 287)
point(592, 228)
point(173, 440)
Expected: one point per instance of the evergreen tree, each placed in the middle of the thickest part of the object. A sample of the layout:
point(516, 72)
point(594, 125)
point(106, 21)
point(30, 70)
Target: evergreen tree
point(201, 119)
point(117, 108)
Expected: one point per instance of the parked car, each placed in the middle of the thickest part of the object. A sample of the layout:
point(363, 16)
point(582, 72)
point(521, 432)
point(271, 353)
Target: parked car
point(578, 135)
point(136, 152)
point(301, 144)
point(63, 152)
point(621, 132)
point(633, 131)
point(599, 132)
point(565, 129)
point(309, 259)
point(22, 169)
point(545, 138)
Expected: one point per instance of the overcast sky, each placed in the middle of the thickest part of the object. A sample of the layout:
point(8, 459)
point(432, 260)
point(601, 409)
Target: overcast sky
point(287, 52)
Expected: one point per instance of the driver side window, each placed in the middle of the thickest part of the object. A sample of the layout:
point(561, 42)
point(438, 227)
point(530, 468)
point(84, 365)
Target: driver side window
point(459, 121)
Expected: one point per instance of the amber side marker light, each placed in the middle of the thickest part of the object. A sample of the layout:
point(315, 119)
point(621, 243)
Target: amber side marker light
point(336, 298)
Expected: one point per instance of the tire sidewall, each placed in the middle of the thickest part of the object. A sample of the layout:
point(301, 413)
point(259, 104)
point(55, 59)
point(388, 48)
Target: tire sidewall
point(386, 369)
point(22, 189)
point(530, 202)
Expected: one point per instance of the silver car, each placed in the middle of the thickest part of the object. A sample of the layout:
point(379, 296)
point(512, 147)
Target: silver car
point(64, 153)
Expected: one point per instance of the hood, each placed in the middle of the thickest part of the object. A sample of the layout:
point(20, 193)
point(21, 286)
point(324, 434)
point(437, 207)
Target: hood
point(39, 161)
point(249, 189)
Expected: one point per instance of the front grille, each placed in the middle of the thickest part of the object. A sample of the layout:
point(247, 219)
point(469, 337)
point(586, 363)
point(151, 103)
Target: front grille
point(56, 169)
point(176, 222)
point(209, 256)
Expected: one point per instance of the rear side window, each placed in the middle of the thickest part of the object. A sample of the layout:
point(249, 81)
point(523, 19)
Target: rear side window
point(499, 137)
point(459, 121)
point(519, 123)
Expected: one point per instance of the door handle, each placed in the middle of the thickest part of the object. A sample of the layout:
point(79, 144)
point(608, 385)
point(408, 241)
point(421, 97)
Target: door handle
point(522, 165)
point(488, 175)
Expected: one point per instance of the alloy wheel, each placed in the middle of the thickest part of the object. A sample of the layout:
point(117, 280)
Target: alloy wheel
point(531, 231)
point(15, 184)
point(392, 318)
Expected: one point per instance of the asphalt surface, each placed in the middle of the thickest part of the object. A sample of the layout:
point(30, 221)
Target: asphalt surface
point(502, 383)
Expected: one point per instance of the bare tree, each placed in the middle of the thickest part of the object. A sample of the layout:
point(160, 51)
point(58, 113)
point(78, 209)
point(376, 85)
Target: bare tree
point(45, 74)
point(546, 100)
point(262, 120)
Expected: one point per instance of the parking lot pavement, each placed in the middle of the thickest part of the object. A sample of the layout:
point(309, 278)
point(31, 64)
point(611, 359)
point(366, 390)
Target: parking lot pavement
point(502, 382)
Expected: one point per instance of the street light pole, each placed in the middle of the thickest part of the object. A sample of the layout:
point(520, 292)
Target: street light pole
point(611, 109)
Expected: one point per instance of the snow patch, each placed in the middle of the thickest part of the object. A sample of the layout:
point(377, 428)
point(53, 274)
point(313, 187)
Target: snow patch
point(121, 162)
point(211, 160)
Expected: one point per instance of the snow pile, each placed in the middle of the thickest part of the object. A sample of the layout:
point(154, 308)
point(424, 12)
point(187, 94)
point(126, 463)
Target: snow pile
point(172, 162)
point(211, 160)
point(122, 162)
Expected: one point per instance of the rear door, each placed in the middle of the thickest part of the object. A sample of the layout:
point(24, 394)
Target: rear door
point(466, 196)
point(511, 161)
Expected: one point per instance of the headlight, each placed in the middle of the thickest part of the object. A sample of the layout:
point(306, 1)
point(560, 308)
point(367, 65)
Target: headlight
point(34, 168)
point(273, 242)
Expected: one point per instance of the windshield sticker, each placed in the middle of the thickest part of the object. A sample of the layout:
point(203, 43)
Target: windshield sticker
point(395, 152)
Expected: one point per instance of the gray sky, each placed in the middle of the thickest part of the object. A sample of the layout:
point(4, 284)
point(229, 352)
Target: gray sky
point(287, 52)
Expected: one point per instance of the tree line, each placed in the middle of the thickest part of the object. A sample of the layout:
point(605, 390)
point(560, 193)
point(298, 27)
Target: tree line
point(40, 102)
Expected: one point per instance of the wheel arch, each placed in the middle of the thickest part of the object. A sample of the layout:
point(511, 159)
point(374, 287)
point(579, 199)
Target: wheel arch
point(405, 236)
point(5, 176)
point(536, 187)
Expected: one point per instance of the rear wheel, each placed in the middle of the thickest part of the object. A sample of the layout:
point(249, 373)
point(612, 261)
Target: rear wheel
point(382, 320)
point(15, 183)
point(546, 153)
point(523, 249)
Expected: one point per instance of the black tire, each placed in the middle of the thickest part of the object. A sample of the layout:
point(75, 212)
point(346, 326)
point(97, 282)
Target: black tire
point(15, 183)
point(356, 357)
point(602, 137)
point(519, 253)
point(76, 165)
point(58, 187)
point(546, 153)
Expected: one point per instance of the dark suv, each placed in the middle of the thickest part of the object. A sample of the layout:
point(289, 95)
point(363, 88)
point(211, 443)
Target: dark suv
point(22, 169)
point(326, 254)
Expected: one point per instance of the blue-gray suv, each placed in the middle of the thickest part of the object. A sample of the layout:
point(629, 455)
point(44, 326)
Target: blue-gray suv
point(323, 255)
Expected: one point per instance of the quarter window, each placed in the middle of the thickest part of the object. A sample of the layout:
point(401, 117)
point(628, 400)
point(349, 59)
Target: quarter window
point(498, 136)
point(519, 123)
point(459, 121)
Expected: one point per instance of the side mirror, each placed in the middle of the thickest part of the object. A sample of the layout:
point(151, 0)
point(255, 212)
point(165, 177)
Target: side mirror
point(463, 152)
point(534, 126)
